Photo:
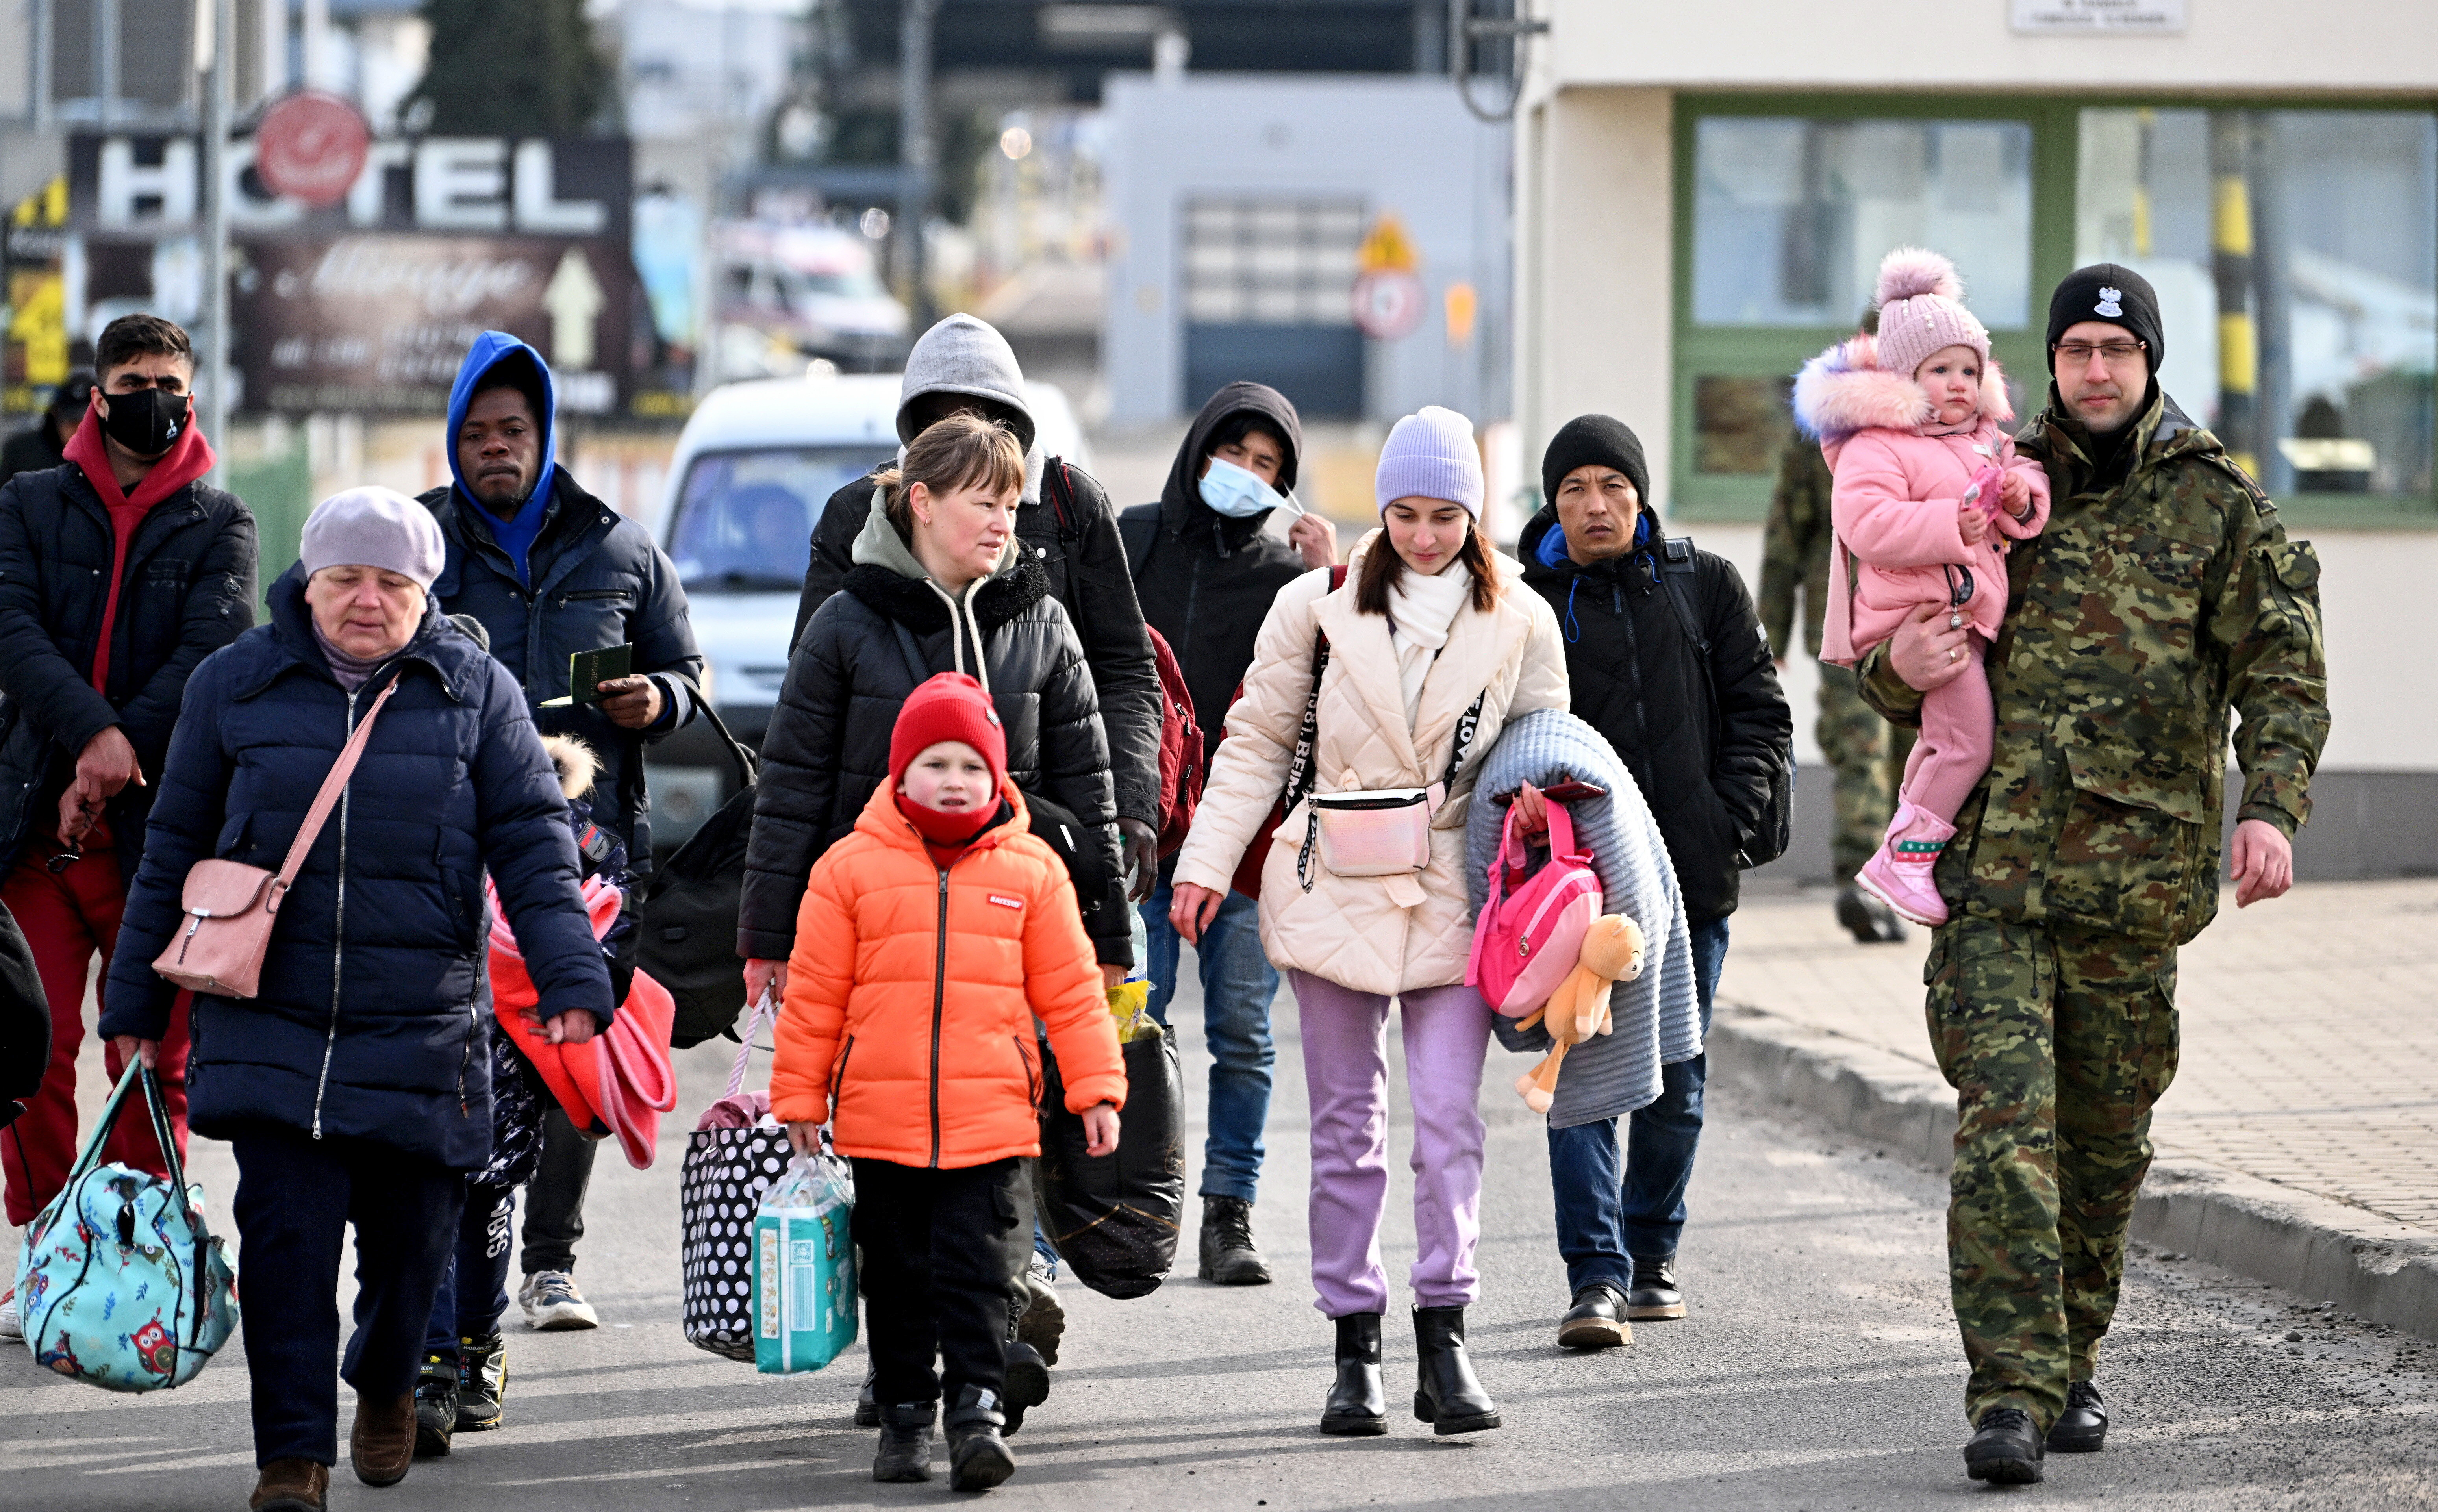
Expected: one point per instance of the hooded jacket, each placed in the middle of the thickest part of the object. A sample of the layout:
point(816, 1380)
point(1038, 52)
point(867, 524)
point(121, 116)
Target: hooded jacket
point(1382, 935)
point(1204, 581)
point(590, 579)
point(1082, 562)
point(368, 1023)
point(860, 658)
point(1900, 479)
point(186, 588)
point(914, 988)
point(1702, 760)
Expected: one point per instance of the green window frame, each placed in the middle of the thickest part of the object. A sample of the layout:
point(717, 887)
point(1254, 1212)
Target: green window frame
point(1701, 352)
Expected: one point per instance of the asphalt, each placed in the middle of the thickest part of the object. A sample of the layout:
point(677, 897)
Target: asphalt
point(1818, 1370)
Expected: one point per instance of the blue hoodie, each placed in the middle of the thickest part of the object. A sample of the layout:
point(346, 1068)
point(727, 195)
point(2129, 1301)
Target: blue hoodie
point(515, 535)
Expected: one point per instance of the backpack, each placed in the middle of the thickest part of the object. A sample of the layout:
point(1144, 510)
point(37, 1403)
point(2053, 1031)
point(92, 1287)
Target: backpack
point(689, 927)
point(1181, 768)
point(1774, 829)
point(1530, 933)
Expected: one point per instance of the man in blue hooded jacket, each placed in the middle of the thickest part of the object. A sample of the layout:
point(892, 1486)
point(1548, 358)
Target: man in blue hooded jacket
point(551, 571)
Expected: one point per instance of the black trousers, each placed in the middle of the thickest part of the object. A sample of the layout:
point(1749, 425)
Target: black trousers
point(555, 1198)
point(295, 1197)
point(937, 1248)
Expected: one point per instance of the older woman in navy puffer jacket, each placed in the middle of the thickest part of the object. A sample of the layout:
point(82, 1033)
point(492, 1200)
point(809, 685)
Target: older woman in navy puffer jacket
point(356, 1086)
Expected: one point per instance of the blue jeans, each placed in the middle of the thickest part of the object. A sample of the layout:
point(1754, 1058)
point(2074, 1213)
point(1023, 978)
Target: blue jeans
point(1611, 1221)
point(1238, 982)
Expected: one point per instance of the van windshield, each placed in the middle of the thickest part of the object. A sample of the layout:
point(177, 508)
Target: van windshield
point(745, 518)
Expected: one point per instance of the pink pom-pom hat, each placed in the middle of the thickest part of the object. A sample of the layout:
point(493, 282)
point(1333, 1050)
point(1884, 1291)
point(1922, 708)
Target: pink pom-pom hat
point(1921, 310)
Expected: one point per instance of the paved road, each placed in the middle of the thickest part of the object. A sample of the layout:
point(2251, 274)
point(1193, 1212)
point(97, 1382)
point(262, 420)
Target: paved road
point(1819, 1370)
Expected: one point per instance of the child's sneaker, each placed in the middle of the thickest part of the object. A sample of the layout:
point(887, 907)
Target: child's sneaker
point(435, 1407)
point(552, 1303)
point(1899, 872)
point(10, 1326)
point(482, 1382)
point(1041, 1318)
point(905, 1453)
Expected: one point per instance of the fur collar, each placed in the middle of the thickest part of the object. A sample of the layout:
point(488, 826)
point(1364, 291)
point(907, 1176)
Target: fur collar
point(1844, 389)
point(914, 604)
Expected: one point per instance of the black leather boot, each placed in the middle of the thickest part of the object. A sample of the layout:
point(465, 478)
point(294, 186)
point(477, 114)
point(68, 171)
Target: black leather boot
point(1230, 1257)
point(1447, 1397)
point(977, 1457)
point(1028, 1386)
point(867, 1406)
point(905, 1443)
point(1596, 1321)
point(2082, 1428)
point(2005, 1449)
point(1655, 1295)
point(1357, 1405)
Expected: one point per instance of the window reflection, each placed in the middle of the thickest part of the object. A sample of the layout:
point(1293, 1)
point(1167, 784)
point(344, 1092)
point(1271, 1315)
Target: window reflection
point(745, 518)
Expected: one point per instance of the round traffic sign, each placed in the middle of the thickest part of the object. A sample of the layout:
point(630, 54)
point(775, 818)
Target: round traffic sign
point(1387, 304)
point(312, 147)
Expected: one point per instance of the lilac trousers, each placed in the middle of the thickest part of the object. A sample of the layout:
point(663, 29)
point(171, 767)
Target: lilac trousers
point(1346, 1071)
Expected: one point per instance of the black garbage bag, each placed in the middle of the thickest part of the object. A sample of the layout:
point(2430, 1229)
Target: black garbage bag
point(1114, 1220)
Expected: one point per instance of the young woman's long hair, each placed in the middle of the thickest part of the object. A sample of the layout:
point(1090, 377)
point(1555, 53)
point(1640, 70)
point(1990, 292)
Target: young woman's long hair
point(959, 452)
point(1382, 568)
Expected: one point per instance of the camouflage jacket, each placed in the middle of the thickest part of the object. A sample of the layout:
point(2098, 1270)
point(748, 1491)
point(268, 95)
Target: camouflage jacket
point(1794, 547)
point(2135, 623)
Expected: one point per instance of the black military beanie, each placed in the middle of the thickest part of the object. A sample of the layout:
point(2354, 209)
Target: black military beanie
point(1595, 441)
point(2106, 290)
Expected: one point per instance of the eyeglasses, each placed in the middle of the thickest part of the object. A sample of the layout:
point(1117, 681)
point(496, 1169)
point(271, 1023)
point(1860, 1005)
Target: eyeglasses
point(2116, 354)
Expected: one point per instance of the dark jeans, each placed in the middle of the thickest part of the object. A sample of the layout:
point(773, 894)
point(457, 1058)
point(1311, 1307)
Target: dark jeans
point(295, 1197)
point(474, 1288)
point(1611, 1220)
point(1238, 983)
point(554, 1201)
point(937, 1254)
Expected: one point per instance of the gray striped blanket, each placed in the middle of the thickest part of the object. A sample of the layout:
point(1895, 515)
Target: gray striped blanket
point(1657, 1016)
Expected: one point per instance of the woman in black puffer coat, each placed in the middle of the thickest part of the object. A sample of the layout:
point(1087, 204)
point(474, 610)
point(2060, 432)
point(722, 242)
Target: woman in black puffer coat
point(356, 1084)
point(897, 624)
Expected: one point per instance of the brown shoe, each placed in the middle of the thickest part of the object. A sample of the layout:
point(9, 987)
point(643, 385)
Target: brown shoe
point(383, 1442)
point(292, 1486)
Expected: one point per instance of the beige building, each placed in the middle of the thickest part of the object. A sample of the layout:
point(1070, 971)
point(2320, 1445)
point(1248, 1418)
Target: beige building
point(1703, 193)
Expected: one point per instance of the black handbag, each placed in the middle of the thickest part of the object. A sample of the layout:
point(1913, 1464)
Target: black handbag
point(1114, 1218)
point(689, 933)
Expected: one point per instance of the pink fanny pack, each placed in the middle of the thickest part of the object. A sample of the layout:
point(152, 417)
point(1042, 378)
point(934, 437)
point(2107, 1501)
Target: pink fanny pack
point(1527, 939)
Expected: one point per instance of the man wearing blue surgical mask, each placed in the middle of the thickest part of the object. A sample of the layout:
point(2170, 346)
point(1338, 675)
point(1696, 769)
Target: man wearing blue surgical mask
point(1206, 570)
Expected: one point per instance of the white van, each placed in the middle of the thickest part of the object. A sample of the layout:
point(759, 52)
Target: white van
point(757, 462)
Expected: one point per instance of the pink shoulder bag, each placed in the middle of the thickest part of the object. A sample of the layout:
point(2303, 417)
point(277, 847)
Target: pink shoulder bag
point(1529, 940)
point(231, 906)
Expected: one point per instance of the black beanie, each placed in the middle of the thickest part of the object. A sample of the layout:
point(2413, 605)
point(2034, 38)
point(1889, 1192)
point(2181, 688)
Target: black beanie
point(2106, 290)
point(1595, 441)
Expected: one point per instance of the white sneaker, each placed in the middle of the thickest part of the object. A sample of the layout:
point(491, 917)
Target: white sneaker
point(552, 1303)
point(10, 1326)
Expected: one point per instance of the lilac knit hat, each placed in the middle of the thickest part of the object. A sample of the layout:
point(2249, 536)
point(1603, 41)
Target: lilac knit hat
point(1430, 455)
point(374, 527)
point(1921, 310)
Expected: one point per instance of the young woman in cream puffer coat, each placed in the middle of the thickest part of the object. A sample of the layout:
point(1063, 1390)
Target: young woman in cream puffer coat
point(1431, 618)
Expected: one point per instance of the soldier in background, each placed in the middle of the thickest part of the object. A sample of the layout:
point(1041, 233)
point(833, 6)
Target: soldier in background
point(2163, 596)
point(1865, 754)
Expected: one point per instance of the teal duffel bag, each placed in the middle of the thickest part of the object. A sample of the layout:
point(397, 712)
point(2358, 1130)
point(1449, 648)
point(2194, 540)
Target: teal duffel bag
point(120, 1283)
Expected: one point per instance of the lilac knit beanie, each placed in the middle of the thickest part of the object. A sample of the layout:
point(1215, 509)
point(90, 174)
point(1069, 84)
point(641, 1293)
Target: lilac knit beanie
point(374, 527)
point(1921, 310)
point(1430, 455)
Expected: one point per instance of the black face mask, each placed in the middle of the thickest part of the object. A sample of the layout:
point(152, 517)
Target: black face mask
point(147, 421)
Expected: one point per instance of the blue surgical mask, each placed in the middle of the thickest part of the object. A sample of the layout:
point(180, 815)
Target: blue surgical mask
point(1232, 491)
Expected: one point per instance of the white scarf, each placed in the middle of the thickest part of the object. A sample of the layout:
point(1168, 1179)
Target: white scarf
point(1421, 611)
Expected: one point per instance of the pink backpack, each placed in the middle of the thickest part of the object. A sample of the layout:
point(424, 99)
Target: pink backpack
point(1528, 940)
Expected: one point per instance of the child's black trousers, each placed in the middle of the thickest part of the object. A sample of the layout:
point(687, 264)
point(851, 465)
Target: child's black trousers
point(936, 1255)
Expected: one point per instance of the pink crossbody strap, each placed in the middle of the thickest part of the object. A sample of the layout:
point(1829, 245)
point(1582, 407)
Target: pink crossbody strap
point(332, 787)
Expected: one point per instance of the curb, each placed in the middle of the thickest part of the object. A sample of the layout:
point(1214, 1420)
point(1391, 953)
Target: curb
point(2361, 1261)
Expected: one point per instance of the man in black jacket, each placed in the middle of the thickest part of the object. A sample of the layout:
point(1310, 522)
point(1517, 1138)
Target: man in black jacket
point(1064, 523)
point(1204, 570)
point(550, 570)
point(119, 570)
point(1703, 741)
point(44, 444)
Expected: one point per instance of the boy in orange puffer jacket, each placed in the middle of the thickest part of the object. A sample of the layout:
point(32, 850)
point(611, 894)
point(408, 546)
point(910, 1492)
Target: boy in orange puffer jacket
point(929, 941)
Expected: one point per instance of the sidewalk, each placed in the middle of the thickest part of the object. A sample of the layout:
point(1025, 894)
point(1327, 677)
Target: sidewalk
point(2299, 1143)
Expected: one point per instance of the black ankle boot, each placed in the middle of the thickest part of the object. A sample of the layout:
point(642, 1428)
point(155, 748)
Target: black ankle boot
point(1447, 1397)
point(867, 1406)
point(977, 1457)
point(1357, 1405)
point(905, 1443)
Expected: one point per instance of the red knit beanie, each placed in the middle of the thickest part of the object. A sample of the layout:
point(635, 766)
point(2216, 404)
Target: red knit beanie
point(949, 706)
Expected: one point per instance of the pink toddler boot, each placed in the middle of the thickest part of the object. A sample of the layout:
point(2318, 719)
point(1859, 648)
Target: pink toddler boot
point(1898, 875)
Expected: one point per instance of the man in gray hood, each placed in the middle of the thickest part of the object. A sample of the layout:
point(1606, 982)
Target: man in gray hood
point(1064, 523)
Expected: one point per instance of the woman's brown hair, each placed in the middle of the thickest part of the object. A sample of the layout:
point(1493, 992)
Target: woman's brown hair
point(1382, 566)
point(961, 452)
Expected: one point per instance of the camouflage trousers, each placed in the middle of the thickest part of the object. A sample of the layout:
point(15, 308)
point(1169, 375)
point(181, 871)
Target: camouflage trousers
point(2057, 1040)
point(1867, 755)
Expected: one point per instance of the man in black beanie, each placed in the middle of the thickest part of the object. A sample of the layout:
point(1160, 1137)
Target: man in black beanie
point(1704, 736)
point(2162, 597)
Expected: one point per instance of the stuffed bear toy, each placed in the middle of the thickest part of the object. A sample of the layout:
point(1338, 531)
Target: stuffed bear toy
point(1612, 953)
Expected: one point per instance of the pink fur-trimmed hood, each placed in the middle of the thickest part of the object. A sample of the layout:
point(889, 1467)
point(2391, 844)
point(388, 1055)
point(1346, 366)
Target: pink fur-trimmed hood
point(1844, 389)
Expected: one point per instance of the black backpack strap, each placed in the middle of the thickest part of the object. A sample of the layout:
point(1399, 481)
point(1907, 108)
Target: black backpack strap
point(1137, 531)
point(1059, 487)
point(1678, 569)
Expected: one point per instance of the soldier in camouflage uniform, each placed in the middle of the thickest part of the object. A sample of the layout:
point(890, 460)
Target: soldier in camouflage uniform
point(2163, 596)
point(1865, 754)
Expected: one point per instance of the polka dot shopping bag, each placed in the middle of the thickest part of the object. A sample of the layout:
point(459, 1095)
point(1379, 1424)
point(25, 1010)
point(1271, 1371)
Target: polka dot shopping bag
point(726, 1170)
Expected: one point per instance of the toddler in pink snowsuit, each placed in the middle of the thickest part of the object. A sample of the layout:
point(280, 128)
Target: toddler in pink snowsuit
point(1929, 492)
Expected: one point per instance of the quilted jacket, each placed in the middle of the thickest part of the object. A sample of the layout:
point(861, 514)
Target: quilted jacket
point(913, 987)
point(1380, 935)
